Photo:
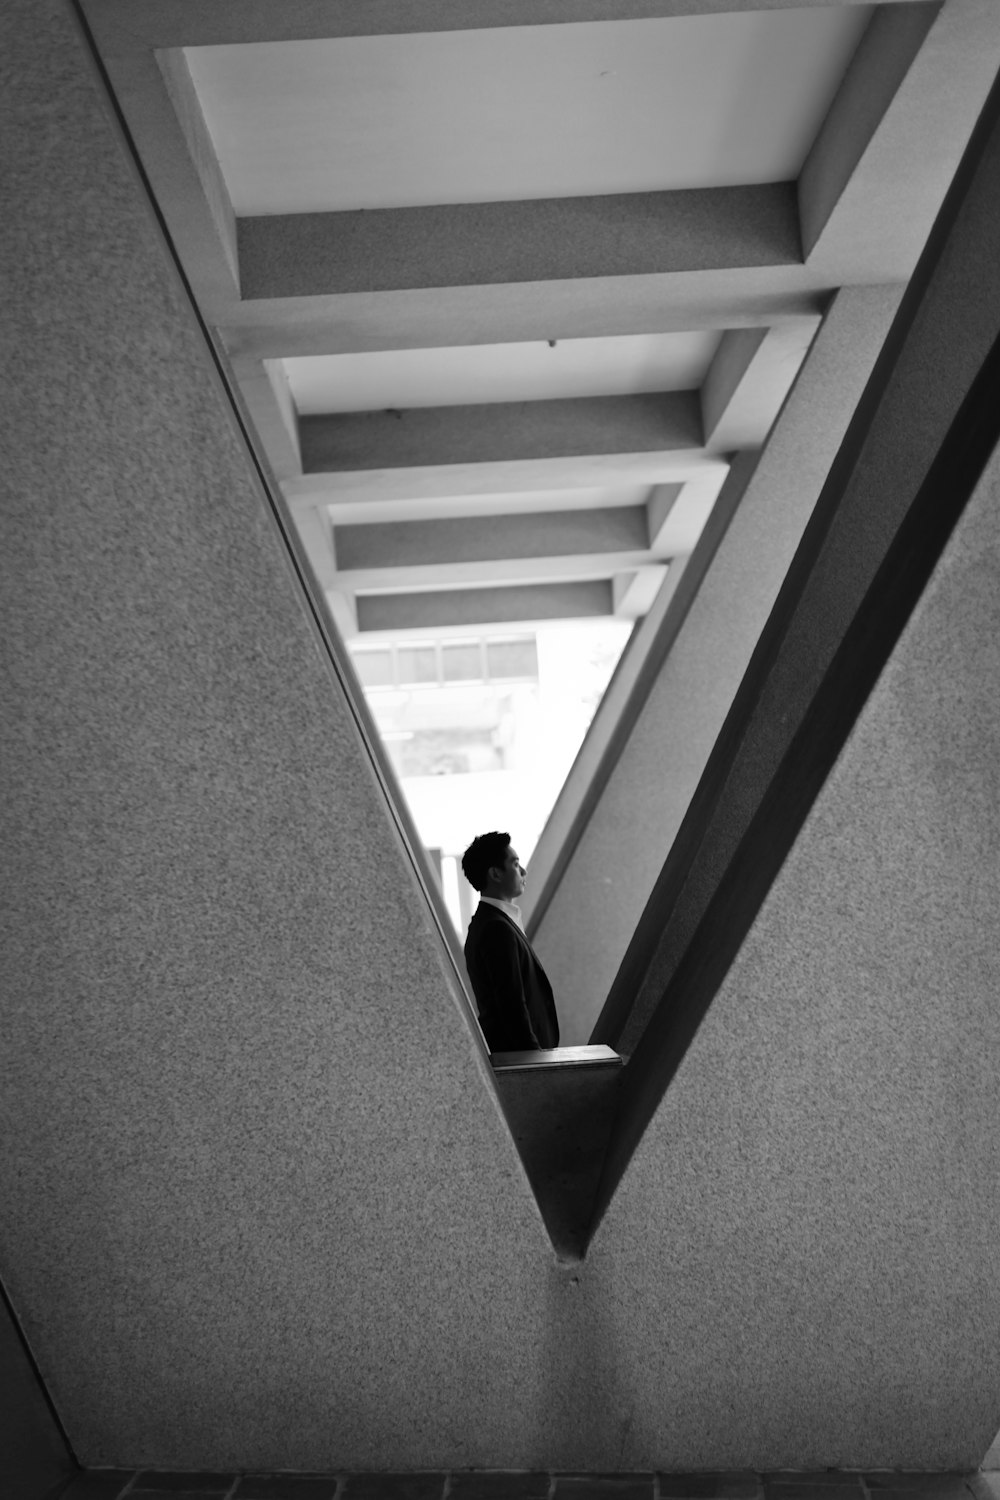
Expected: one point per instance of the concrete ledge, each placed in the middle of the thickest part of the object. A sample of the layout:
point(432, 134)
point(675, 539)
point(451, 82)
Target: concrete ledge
point(557, 1057)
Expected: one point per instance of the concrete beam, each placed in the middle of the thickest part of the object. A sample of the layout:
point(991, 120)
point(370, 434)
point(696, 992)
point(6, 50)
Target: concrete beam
point(662, 422)
point(584, 931)
point(884, 57)
point(418, 317)
point(448, 317)
point(583, 443)
point(313, 526)
point(560, 568)
point(187, 109)
point(158, 99)
point(315, 534)
point(490, 539)
point(343, 607)
point(534, 240)
point(895, 133)
point(484, 606)
point(659, 509)
point(192, 23)
point(740, 296)
point(635, 593)
point(347, 512)
point(747, 382)
point(453, 552)
point(503, 477)
point(270, 405)
point(729, 369)
point(276, 327)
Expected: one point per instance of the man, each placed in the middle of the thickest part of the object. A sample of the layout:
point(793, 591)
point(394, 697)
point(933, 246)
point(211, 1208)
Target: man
point(516, 1008)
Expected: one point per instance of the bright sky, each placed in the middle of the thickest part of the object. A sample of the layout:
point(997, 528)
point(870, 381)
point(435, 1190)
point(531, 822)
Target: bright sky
point(495, 754)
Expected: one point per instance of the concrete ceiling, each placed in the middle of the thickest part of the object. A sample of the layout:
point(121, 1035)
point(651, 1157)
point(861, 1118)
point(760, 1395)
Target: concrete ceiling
point(499, 270)
point(483, 373)
point(522, 112)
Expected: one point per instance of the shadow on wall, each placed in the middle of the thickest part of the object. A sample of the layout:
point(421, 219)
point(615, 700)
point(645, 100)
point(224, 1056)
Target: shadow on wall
point(587, 1402)
point(35, 1460)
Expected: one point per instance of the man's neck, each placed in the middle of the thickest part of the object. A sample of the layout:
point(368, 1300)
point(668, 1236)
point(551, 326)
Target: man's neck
point(507, 903)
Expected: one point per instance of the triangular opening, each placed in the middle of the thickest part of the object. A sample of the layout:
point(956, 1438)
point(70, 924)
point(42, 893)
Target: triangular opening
point(649, 438)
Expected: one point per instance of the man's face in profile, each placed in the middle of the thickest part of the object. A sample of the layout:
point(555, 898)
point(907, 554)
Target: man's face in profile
point(510, 875)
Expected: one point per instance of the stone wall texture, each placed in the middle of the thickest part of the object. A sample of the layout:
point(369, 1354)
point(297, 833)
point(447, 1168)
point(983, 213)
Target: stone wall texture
point(261, 1209)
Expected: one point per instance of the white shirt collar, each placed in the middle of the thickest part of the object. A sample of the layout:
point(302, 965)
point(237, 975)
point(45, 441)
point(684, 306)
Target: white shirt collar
point(510, 907)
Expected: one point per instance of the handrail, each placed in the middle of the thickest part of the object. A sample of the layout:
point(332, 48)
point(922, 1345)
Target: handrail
point(555, 1057)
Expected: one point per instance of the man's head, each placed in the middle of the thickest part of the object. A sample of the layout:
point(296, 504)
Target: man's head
point(492, 866)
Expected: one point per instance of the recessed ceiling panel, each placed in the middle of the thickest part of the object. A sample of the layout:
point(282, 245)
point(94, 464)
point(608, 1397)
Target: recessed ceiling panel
point(481, 373)
point(522, 112)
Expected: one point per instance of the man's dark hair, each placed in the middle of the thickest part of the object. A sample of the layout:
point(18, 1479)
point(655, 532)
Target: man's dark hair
point(483, 853)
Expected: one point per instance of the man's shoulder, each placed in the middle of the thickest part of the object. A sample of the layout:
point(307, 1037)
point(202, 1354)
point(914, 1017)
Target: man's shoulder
point(490, 922)
point(486, 911)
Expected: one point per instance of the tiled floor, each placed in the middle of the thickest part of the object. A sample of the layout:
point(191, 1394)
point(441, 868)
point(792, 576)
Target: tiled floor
point(144, 1484)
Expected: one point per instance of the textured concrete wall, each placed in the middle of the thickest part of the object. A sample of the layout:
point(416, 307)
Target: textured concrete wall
point(240, 1099)
point(822, 1163)
point(260, 1208)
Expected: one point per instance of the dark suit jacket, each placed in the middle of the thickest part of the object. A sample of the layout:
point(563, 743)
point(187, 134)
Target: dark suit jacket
point(516, 1008)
